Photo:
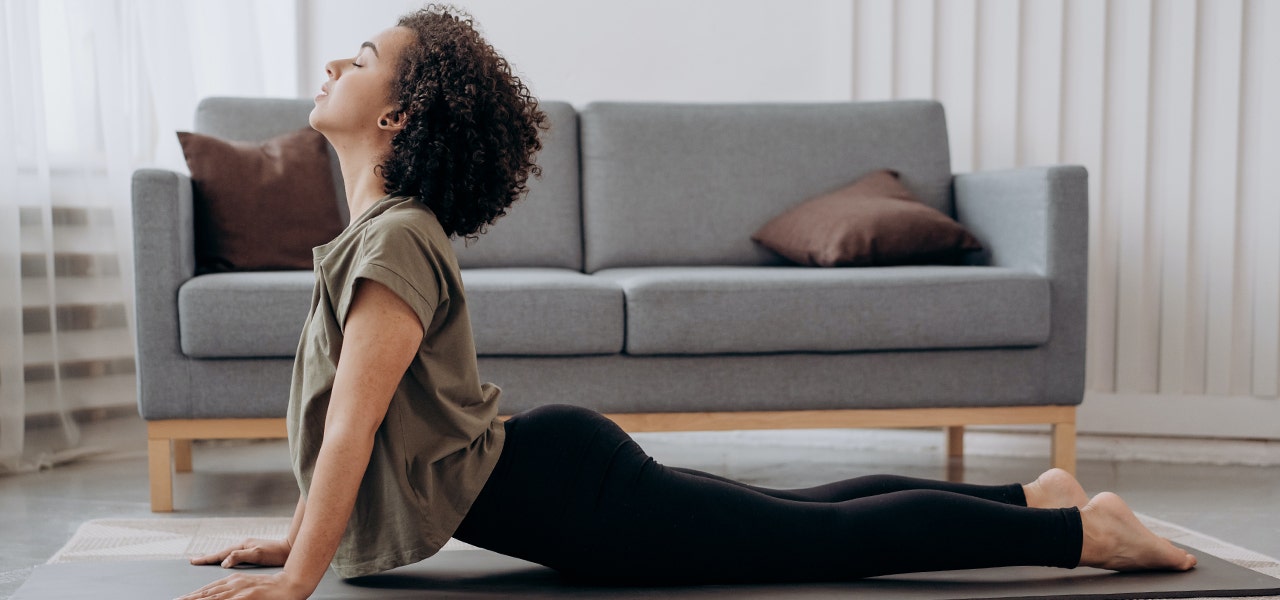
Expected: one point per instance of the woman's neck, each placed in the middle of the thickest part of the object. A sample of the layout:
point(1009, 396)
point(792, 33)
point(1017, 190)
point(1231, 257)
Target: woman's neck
point(364, 184)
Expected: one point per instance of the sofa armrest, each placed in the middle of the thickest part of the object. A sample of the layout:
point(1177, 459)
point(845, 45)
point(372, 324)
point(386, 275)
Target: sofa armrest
point(1028, 218)
point(1038, 219)
point(163, 259)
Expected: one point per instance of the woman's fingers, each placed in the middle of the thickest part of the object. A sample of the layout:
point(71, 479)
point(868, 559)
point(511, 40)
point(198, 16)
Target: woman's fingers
point(247, 555)
point(215, 558)
point(209, 591)
point(266, 553)
point(222, 555)
point(243, 586)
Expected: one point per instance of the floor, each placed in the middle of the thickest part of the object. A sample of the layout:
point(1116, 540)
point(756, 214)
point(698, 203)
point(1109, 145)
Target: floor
point(39, 511)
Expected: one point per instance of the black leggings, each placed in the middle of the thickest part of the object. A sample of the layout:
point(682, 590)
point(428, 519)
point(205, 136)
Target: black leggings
point(573, 491)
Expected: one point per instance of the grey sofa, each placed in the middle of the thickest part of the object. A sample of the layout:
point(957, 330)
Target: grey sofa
point(627, 282)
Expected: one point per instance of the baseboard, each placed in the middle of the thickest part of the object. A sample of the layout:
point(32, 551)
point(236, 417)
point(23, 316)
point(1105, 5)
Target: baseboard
point(1231, 417)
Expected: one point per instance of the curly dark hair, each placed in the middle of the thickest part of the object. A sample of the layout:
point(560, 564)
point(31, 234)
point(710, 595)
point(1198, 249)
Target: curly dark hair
point(471, 130)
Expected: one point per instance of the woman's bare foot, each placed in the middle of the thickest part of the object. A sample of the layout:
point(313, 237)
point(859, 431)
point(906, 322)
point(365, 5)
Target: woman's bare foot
point(1115, 539)
point(1055, 488)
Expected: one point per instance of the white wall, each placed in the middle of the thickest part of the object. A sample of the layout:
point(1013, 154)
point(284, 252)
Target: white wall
point(662, 50)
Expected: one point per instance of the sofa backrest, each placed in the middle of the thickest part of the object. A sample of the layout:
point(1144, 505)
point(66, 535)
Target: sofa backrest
point(687, 184)
point(544, 229)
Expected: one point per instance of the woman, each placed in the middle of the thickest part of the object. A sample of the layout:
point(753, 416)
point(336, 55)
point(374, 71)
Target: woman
point(397, 446)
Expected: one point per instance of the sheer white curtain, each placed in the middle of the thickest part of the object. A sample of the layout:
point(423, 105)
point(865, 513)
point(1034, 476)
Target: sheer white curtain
point(89, 91)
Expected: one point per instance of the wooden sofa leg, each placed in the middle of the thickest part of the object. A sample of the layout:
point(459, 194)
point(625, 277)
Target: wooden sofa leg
point(182, 456)
point(955, 442)
point(955, 454)
point(160, 473)
point(1064, 447)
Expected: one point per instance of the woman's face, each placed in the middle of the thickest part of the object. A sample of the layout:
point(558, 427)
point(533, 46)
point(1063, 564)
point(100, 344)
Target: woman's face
point(357, 94)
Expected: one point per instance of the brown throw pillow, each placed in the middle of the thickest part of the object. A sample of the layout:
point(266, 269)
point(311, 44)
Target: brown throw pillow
point(261, 206)
point(874, 221)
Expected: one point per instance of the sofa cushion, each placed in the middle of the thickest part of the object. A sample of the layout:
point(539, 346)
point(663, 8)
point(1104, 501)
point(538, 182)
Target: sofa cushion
point(873, 221)
point(543, 312)
point(687, 184)
point(706, 310)
point(260, 205)
point(513, 312)
point(257, 314)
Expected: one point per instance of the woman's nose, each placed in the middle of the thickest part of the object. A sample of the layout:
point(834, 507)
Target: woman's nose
point(331, 69)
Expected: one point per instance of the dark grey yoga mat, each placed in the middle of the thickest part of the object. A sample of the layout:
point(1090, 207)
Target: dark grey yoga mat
point(485, 574)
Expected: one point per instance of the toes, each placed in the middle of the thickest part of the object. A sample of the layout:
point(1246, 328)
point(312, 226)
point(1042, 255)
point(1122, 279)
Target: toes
point(1183, 560)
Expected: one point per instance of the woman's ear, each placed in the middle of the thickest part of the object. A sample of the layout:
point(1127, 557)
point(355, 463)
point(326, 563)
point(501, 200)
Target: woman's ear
point(393, 121)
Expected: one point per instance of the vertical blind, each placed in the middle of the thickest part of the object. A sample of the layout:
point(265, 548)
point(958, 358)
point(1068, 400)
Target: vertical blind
point(1170, 104)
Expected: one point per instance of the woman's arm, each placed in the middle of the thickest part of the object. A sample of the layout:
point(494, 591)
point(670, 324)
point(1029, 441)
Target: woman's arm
point(296, 524)
point(380, 340)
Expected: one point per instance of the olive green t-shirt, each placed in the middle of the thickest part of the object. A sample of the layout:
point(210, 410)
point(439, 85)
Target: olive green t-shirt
point(441, 436)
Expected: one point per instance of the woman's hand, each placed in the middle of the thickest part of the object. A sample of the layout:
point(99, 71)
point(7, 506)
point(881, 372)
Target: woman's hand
point(243, 586)
point(264, 553)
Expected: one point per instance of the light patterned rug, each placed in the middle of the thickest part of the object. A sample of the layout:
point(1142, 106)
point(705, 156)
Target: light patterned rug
point(104, 540)
point(160, 538)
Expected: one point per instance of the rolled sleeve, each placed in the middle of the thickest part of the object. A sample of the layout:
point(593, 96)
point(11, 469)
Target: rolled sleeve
point(401, 262)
